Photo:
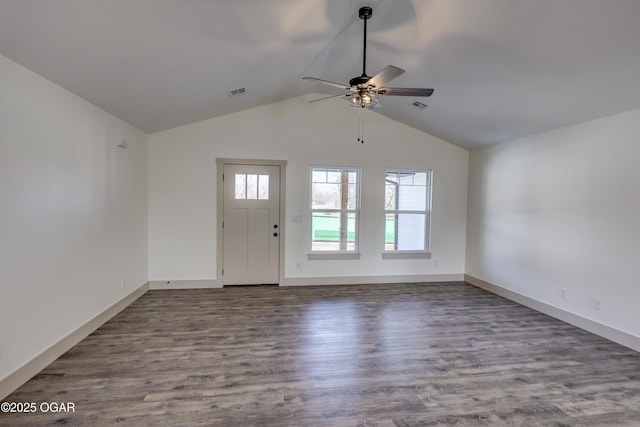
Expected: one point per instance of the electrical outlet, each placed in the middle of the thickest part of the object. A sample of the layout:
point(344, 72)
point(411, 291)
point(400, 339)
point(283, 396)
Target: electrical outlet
point(563, 293)
point(596, 304)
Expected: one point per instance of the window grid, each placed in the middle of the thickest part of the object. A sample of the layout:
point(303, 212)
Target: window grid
point(407, 210)
point(335, 209)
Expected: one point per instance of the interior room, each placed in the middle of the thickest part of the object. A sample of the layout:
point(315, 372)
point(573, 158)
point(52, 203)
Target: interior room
point(448, 184)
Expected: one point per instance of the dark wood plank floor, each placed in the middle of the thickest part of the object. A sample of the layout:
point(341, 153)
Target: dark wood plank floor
point(368, 355)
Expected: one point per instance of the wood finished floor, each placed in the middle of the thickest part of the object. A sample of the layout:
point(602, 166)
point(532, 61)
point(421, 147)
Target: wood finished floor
point(445, 354)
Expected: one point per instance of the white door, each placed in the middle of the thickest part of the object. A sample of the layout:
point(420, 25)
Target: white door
point(251, 224)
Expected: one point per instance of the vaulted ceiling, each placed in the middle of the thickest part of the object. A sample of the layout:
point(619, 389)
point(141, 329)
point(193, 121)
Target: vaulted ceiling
point(501, 69)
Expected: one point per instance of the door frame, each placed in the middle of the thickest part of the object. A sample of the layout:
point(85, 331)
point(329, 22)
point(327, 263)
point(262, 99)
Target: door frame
point(220, 162)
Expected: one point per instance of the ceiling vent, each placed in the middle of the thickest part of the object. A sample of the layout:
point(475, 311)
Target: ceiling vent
point(418, 105)
point(236, 92)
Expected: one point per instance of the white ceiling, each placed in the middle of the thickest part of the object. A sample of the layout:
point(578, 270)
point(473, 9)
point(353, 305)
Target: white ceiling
point(501, 69)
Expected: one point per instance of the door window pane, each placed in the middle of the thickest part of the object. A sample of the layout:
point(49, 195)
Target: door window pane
point(251, 186)
point(241, 186)
point(263, 187)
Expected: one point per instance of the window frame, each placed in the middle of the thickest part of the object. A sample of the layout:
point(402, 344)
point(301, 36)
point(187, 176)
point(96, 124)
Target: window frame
point(427, 212)
point(335, 254)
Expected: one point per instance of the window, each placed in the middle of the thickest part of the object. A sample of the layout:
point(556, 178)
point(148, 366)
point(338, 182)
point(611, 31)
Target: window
point(335, 208)
point(251, 187)
point(408, 211)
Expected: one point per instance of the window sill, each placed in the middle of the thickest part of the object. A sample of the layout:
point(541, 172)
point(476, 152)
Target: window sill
point(317, 256)
point(406, 255)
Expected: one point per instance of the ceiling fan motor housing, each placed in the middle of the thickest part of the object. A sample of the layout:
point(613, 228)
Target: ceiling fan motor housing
point(360, 80)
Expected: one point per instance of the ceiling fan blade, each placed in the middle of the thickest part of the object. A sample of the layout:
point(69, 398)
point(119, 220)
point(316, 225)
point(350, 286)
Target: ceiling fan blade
point(327, 97)
point(404, 91)
point(385, 76)
point(327, 82)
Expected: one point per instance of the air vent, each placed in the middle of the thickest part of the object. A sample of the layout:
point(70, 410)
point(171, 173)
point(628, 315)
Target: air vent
point(419, 105)
point(236, 92)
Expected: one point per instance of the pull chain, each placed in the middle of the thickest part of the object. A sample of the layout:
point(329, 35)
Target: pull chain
point(361, 125)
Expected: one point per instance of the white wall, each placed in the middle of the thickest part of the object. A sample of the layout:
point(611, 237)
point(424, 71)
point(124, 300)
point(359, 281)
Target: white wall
point(182, 187)
point(73, 220)
point(561, 209)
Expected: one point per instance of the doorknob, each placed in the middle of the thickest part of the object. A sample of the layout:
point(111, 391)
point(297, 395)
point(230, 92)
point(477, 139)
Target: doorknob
point(275, 225)
point(275, 234)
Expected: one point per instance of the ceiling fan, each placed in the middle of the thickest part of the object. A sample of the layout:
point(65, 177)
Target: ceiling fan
point(363, 91)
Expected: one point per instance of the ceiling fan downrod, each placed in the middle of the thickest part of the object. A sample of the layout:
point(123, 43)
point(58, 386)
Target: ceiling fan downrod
point(365, 13)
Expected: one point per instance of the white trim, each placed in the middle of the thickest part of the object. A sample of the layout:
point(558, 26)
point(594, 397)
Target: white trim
point(332, 255)
point(359, 280)
point(613, 334)
point(256, 162)
point(406, 255)
point(24, 373)
point(185, 284)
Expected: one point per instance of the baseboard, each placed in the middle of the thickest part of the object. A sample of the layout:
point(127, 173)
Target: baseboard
point(312, 281)
point(615, 335)
point(23, 374)
point(184, 284)
point(358, 280)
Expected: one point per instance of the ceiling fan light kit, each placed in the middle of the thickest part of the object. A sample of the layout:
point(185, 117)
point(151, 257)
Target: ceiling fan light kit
point(365, 100)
